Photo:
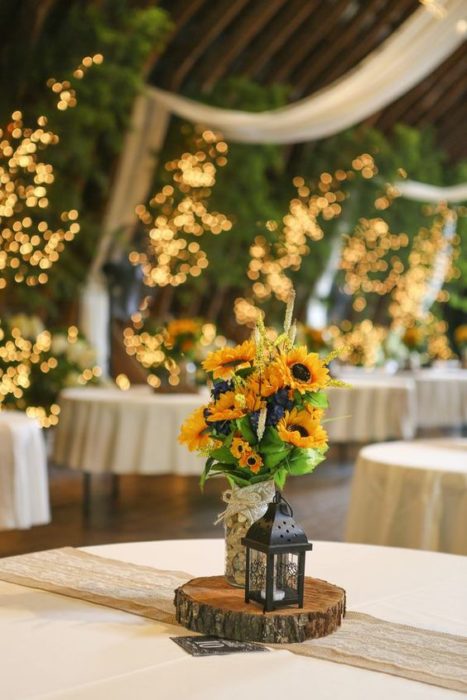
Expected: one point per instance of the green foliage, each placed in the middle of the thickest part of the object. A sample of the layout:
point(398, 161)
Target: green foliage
point(52, 44)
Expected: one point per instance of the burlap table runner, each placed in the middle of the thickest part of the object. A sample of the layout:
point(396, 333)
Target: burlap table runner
point(364, 641)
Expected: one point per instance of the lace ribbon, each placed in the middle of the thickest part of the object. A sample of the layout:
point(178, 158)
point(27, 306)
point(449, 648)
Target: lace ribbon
point(247, 500)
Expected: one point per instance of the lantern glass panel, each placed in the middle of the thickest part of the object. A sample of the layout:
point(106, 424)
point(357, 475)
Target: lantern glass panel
point(257, 570)
point(286, 575)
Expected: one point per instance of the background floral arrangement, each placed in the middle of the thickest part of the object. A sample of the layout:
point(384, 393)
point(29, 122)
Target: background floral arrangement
point(35, 365)
point(264, 420)
point(165, 349)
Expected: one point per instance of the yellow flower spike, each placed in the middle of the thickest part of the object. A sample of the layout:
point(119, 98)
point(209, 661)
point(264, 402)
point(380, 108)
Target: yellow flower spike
point(240, 400)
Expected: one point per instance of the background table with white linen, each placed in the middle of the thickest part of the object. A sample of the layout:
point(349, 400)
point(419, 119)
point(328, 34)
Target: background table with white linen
point(53, 647)
point(24, 487)
point(124, 432)
point(440, 393)
point(411, 494)
point(372, 409)
point(441, 398)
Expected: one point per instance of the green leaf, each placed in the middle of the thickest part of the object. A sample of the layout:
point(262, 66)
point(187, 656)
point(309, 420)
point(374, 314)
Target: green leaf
point(206, 470)
point(244, 426)
point(273, 459)
point(271, 442)
point(317, 399)
point(303, 461)
point(280, 478)
point(223, 454)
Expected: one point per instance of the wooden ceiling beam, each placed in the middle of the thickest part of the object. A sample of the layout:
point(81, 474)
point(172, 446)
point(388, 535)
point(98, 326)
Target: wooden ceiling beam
point(308, 36)
point(397, 109)
point(437, 101)
point(180, 14)
point(216, 20)
point(384, 25)
point(279, 32)
point(338, 39)
point(248, 28)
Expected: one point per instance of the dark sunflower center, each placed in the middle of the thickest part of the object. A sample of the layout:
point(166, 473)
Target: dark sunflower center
point(300, 429)
point(251, 460)
point(301, 372)
point(240, 448)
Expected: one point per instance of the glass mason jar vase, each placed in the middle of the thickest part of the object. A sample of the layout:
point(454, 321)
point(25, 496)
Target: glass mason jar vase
point(245, 506)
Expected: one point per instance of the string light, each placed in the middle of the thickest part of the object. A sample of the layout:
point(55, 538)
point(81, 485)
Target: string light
point(430, 246)
point(178, 215)
point(29, 244)
point(270, 262)
point(23, 360)
point(369, 260)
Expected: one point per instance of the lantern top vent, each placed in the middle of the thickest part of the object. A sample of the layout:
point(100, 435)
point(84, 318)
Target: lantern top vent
point(277, 529)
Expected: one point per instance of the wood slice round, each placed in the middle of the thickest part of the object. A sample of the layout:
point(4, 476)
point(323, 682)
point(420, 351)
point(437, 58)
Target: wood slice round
point(210, 605)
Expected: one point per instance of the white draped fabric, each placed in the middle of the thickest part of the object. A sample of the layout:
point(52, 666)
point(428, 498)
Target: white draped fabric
point(410, 53)
point(421, 192)
point(411, 494)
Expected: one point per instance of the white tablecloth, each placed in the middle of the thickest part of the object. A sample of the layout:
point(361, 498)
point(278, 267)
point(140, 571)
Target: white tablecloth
point(440, 394)
point(124, 432)
point(24, 491)
point(441, 398)
point(372, 409)
point(411, 494)
point(52, 647)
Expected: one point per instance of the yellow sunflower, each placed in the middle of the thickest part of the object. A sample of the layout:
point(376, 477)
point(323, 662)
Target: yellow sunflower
point(301, 429)
point(274, 377)
point(225, 408)
point(224, 363)
point(306, 372)
point(193, 432)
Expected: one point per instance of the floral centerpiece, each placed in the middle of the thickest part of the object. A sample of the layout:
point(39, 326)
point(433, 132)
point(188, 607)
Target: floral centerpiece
point(263, 423)
point(172, 353)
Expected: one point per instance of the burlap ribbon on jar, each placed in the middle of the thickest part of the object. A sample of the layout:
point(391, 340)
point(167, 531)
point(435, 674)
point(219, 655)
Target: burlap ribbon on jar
point(248, 501)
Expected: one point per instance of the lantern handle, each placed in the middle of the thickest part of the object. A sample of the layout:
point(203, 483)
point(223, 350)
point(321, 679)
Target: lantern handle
point(283, 504)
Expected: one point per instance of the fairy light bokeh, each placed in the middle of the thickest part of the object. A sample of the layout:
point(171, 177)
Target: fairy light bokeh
point(178, 216)
point(270, 263)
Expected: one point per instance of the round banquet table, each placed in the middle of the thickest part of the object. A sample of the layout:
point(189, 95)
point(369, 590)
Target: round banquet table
point(53, 647)
point(372, 409)
point(122, 432)
point(24, 486)
point(440, 394)
point(411, 494)
point(441, 398)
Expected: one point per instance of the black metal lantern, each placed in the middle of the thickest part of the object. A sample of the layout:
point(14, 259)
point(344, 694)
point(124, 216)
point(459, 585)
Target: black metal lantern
point(275, 558)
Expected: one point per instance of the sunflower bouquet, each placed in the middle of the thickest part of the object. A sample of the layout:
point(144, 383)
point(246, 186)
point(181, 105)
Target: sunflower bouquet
point(263, 422)
point(264, 418)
